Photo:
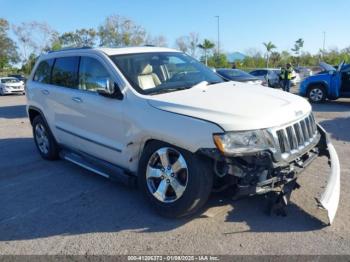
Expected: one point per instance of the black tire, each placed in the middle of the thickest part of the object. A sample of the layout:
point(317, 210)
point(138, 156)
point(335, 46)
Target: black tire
point(197, 191)
point(316, 94)
point(52, 147)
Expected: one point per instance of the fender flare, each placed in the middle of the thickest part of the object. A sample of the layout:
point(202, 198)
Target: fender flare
point(322, 83)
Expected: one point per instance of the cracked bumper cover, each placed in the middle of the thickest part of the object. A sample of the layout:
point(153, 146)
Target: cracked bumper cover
point(329, 200)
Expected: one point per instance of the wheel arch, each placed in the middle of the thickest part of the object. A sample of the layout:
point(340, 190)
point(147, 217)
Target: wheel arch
point(318, 83)
point(33, 112)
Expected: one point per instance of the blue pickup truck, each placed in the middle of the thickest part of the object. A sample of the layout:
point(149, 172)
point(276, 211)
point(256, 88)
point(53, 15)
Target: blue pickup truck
point(331, 83)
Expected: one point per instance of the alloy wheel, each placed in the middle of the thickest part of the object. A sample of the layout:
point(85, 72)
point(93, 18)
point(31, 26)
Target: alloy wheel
point(316, 94)
point(42, 138)
point(167, 175)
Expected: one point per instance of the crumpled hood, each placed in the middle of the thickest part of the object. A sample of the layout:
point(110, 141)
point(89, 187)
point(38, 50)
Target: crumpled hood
point(234, 106)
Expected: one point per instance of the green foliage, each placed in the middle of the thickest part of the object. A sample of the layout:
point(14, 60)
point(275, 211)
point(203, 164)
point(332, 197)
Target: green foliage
point(117, 31)
point(206, 46)
point(28, 66)
point(269, 47)
point(8, 48)
point(218, 61)
point(78, 38)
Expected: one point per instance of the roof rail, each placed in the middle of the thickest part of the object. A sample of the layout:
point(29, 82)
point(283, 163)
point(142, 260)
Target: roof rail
point(70, 48)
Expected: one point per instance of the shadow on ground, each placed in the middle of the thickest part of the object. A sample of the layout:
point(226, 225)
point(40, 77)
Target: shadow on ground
point(41, 199)
point(11, 112)
point(338, 128)
point(332, 106)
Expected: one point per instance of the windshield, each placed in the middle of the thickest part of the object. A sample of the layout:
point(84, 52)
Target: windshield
point(327, 67)
point(235, 73)
point(153, 73)
point(9, 80)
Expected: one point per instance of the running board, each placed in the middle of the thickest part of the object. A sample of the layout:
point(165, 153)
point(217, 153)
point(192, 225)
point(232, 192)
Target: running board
point(99, 167)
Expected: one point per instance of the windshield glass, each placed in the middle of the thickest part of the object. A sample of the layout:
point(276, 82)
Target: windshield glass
point(9, 80)
point(327, 67)
point(152, 73)
point(235, 73)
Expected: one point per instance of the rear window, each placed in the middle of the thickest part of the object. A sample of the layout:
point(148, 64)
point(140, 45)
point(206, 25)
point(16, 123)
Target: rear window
point(42, 73)
point(65, 72)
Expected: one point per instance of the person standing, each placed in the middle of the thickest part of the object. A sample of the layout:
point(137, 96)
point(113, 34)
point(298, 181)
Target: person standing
point(286, 76)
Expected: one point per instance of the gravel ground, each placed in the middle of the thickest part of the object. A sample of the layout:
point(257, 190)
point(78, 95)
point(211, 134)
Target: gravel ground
point(58, 208)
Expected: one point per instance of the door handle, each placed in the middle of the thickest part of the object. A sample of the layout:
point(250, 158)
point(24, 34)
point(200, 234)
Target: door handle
point(45, 91)
point(77, 99)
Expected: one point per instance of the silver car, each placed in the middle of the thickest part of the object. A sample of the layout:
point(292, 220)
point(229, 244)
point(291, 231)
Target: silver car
point(270, 75)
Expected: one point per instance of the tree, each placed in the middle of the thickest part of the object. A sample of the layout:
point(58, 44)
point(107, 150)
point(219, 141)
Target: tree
point(269, 47)
point(298, 45)
point(34, 37)
point(193, 43)
point(29, 64)
point(275, 58)
point(117, 31)
point(182, 44)
point(218, 61)
point(78, 38)
point(206, 46)
point(160, 41)
point(188, 43)
point(8, 48)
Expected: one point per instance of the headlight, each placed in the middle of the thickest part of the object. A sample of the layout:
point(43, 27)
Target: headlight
point(243, 142)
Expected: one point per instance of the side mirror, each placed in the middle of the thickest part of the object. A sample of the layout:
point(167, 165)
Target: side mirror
point(109, 88)
point(331, 72)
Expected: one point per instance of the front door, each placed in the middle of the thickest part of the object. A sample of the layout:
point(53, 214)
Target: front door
point(98, 119)
point(345, 82)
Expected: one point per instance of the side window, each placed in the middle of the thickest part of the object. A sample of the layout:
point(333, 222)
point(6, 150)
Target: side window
point(65, 72)
point(92, 74)
point(43, 72)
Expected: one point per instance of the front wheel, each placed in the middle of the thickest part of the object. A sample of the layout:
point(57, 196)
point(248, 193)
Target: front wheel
point(317, 94)
point(175, 182)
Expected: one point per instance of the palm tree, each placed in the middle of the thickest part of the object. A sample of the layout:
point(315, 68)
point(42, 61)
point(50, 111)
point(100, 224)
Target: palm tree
point(269, 47)
point(206, 45)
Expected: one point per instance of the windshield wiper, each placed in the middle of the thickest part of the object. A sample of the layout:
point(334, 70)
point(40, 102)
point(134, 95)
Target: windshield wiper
point(169, 89)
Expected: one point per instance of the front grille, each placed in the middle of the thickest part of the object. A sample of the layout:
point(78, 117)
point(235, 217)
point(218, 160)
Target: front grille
point(295, 137)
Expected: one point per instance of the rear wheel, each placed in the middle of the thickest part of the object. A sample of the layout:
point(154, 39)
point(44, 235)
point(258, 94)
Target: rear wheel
point(317, 94)
point(175, 182)
point(44, 140)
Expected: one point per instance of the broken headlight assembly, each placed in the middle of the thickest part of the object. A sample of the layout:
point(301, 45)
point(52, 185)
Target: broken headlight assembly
point(243, 142)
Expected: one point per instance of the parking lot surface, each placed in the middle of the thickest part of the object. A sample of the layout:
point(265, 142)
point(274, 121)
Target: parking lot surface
point(59, 208)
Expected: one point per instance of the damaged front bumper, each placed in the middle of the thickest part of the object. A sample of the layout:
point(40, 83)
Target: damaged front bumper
point(261, 174)
point(329, 200)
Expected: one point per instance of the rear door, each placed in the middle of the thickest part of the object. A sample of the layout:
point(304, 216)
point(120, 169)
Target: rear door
point(64, 85)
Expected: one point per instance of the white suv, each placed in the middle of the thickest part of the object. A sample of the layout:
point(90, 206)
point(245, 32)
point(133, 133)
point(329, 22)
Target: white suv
point(162, 117)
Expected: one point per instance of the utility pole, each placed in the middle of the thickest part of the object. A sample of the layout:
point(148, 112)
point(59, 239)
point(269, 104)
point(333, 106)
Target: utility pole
point(324, 42)
point(218, 20)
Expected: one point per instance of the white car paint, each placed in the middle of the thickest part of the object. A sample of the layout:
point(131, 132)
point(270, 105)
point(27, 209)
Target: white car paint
point(187, 118)
point(241, 108)
point(11, 88)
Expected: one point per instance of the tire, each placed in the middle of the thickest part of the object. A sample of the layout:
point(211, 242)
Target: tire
point(195, 180)
point(316, 94)
point(44, 140)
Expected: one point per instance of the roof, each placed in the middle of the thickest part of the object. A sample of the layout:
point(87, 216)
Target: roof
point(133, 50)
point(116, 51)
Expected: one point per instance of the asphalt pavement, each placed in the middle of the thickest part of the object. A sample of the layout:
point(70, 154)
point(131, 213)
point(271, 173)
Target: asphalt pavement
point(59, 208)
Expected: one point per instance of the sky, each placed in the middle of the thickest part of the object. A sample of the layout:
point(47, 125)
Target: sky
point(243, 24)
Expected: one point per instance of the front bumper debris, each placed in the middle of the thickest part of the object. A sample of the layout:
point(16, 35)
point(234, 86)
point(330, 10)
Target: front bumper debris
point(329, 200)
